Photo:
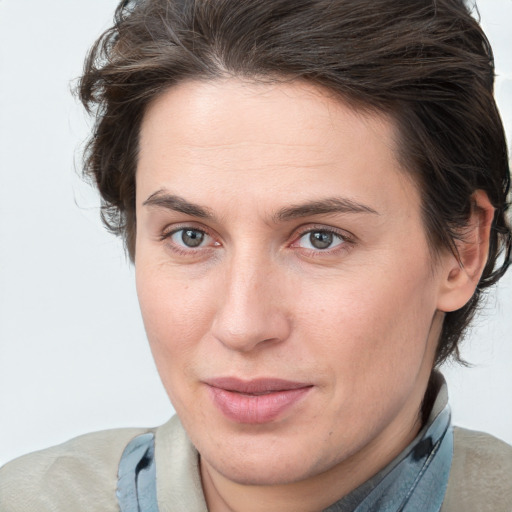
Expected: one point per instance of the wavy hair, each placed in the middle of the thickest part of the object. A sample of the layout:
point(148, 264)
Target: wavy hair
point(425, 63)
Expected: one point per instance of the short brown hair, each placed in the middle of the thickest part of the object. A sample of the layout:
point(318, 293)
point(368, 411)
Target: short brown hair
point(426, 63)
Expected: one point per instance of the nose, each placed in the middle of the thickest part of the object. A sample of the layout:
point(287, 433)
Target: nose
point(251, 311)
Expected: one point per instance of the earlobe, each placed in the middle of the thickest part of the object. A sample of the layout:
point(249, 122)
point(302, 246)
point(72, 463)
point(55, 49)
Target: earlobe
point(462, 271)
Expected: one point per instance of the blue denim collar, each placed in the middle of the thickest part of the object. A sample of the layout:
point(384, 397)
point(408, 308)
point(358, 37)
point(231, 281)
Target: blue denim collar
point(136, 477)
point(415, 480)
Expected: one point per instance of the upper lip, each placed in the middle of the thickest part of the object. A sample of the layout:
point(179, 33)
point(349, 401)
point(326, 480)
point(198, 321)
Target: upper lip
point(253, 386)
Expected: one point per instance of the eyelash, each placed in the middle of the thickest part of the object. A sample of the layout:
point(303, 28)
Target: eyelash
point(346, 240)
point(167, 235)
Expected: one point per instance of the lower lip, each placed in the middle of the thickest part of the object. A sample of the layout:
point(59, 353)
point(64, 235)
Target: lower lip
point(256, 409)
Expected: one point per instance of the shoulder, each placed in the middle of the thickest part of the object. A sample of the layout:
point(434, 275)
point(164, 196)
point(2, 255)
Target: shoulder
point(78, 475)
point(481, 474)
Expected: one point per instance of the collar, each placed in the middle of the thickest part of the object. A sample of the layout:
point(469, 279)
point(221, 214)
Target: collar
point(417, 478)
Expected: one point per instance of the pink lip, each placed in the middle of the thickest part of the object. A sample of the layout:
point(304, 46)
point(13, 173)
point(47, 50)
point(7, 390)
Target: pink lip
point(255, 401)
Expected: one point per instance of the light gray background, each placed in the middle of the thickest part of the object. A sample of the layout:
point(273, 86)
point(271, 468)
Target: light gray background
point(73, 353)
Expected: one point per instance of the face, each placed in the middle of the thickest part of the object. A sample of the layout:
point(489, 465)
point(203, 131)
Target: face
point(284, 278)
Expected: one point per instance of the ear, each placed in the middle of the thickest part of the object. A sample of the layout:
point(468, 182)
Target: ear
point(462, 271)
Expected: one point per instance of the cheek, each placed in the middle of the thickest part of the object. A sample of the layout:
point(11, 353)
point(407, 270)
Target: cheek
point(176, 314)
point(370, 343)
point(172, 322)
point(375, 324)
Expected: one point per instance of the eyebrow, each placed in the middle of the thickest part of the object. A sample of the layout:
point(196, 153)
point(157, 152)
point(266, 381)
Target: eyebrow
point(162, 199)
point(322, 207)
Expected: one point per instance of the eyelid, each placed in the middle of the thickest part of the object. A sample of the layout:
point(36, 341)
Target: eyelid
point(171, 229)
point(347, 240)
point(308, 228)
point(167, 233)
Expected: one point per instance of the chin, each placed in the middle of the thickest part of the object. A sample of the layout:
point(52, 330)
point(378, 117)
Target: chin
point(267, 472)
point(273, 460)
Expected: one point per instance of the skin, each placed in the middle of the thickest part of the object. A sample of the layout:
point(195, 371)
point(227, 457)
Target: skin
point(357, 321)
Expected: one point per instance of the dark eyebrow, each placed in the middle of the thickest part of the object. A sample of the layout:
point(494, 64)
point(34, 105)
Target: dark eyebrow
point(162, 199)
point(323, 206)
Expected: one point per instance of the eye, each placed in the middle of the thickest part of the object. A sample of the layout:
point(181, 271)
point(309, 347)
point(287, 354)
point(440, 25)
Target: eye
point(189, 237)
point(320, 240)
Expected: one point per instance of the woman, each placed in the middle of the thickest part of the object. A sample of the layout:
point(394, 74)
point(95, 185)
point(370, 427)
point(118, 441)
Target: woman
point(314, 197)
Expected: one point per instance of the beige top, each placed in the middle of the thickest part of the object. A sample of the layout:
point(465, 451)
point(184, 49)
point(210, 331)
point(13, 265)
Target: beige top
point(81, 475)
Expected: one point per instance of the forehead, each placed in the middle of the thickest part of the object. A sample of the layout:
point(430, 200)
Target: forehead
point(225, 112)
point(292, 140)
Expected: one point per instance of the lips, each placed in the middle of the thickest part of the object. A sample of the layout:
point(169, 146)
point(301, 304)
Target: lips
point(255, 401)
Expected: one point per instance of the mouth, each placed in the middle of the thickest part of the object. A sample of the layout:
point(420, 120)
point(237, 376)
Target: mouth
point(256, 401)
